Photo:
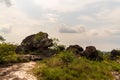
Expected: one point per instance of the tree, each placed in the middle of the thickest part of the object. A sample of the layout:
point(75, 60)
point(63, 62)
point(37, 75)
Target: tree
point(56, 46)
point(1, 38)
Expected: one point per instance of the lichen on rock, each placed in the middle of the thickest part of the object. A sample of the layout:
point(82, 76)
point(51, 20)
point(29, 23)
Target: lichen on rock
point(36, 43)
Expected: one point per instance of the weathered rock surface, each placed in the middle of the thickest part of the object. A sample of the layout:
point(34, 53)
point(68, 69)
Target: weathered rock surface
point(76, 49)
point(114, 54)
point(26, 58)
point(38, 43)
point(91, 53)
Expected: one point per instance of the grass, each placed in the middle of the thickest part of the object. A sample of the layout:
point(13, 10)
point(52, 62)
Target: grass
point(66, 66)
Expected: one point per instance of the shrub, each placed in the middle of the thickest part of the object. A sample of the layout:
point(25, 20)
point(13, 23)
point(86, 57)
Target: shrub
point(66, 57)
point(57, 47)
point(39, 35)
point(61, 59)
point(2, 39)
point(60, 48)
point(114, 65)
point(78, 68)
point(100, 53)
point(7, 53)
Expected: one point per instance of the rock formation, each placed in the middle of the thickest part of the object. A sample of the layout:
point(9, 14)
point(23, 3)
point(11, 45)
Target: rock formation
point(114, 54)
point(91, 53)
point(76, 49)
point(36, 43)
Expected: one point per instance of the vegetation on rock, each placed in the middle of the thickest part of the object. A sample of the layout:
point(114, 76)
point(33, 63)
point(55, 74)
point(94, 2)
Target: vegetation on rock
point(36, 43)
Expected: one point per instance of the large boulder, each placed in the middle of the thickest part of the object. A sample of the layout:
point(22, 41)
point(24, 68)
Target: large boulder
point(91, 53)
point(35, 43)
point(114, 54)
point(76, 49)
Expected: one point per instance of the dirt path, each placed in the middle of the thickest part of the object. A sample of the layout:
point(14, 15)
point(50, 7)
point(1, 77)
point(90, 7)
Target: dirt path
point(116, 74)
point(18, 71)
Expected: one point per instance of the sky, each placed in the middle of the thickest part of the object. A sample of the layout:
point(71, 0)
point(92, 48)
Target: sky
point(82, 22)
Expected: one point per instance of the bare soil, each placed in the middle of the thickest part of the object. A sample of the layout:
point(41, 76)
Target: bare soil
point(18, 71)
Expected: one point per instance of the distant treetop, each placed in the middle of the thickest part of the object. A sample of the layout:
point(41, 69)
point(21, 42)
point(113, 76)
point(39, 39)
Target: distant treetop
point(1, 38)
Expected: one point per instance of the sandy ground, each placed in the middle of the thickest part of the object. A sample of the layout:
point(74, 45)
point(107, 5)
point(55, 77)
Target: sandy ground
point(18, 72)
point(116, 74)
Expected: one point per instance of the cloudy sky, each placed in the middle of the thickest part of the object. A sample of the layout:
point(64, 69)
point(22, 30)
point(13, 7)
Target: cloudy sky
point(83, 22)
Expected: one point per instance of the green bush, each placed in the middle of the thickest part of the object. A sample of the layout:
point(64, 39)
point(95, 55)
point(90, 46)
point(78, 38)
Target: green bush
point(2, 39)
point(66, 57)
point(61, 59)
point(7, 53)
point(100, 53)
point(59, 48)
point(39, 35)
point(56, 46)
point(77, 68)
point(114, 65)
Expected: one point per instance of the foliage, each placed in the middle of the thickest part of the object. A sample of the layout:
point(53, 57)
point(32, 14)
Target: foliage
point(7, 53)
point(1, 38)
point(100, 53)
point(59, 48)
point(39, 36)
point(55, 43)
point(77, 68)
point(106, 56)
point(56, 46)
point(114, 65)
point(66, 57)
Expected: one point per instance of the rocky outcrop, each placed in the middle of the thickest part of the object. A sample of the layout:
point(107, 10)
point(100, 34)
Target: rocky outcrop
point(27, 58)
point(114, 54)
point(76, 49)
point(91, 53)
point(37, 43)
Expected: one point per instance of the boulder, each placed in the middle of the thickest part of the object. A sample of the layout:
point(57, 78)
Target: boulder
point(76, 49)
point(35, 57)
point(114, 54)
point(27, 58)
point(35, 43)
point(91, 53)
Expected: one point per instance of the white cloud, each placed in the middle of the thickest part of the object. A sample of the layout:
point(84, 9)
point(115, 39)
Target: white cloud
point(63, 5)
point(104, 32)
point(7, 2)
point(5, 28)
point(86, 18)
point(74, 29)
point(43, 15)
point(109, 15)
point(16, 23)
point(50, 17)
